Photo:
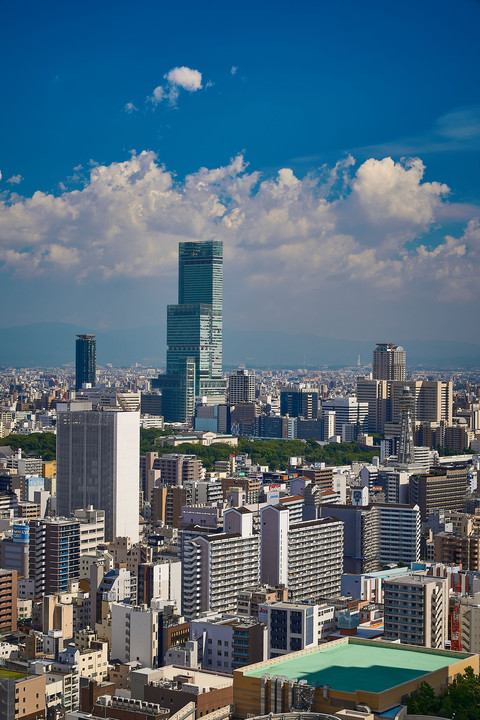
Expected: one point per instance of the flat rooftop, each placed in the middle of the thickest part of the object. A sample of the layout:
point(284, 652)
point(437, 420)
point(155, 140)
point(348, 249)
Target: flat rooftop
point(351, 666)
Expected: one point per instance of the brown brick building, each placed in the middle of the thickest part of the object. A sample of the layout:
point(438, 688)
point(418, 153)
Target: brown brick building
point(8, 601)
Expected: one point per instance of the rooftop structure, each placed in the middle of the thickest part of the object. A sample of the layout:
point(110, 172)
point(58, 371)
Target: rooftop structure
point(344, 671)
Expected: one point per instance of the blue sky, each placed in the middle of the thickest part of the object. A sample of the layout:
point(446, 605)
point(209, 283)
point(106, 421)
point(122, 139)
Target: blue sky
point(324, 91)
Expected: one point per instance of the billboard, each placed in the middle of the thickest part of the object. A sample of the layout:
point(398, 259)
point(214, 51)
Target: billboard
point(21, 534)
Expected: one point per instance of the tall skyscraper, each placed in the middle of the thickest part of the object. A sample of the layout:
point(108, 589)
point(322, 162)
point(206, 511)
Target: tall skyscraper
point(97, 464)
point(389, 362)
point(194, 333)
point(85, 360)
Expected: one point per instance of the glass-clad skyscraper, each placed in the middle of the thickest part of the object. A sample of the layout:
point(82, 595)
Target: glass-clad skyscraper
point(194, 333)
point(85, 361)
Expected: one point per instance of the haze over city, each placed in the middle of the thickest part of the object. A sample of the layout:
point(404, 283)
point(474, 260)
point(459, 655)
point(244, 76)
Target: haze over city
point(333, 149)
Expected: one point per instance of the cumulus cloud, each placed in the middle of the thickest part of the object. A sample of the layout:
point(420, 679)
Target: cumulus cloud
point(185, 78)
point(178, 78)
point(233, 70)
point(130, 107)
point(283, 234)
point(394, 191)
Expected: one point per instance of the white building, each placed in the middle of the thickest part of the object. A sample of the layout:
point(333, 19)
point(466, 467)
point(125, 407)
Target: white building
point(136, 634)
point(216, 566)
point(97, 464)
point(306, 557)
point(347, 411)
point(92, 529)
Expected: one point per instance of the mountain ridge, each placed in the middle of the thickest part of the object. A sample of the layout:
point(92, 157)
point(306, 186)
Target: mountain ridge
point(51, 344)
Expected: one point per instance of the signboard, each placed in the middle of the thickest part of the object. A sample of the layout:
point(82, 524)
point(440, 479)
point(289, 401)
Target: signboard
point(21, 534)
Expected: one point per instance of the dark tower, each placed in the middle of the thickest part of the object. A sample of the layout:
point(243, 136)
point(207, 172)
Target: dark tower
point(85, 360)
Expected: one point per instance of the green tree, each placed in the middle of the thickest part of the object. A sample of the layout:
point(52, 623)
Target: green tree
point(41, 445)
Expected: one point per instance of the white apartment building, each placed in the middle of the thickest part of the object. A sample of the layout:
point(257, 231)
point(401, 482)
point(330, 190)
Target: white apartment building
point(92, 529)
point(306, 557)
point(216, 566)
point(91, 662)
point(416, 610)
point(97, 465)
point(136, 635)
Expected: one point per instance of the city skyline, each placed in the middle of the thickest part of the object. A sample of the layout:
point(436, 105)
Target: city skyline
point(341, 175)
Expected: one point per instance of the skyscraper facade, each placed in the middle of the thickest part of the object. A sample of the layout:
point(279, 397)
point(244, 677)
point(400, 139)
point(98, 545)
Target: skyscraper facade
point(241, 387)
point(97, 464)
point(85, 361)
point(194, 333)
point(389, 362)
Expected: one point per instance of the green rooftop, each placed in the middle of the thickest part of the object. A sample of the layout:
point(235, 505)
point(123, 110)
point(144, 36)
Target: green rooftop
point(351, 666)
point(6, 674)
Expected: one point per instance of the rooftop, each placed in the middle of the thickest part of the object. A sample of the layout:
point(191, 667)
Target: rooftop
point(358, 665)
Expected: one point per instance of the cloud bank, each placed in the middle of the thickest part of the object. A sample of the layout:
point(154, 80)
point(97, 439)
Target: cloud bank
point(284, 236)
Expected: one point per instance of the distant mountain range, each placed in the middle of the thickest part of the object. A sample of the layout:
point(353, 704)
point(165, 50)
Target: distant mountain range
point(53, 344)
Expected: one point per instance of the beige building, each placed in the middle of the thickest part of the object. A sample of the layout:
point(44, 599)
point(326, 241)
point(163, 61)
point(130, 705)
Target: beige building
point(416, 610)
point(21, 698)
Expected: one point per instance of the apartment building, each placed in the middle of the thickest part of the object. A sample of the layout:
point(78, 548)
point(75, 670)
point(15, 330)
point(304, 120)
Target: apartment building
point(8, 601)
point(306, 556)
point(377, 534)
point(215, 567)
point(416, 610)
point(54, 554)
point(442, 488)
point(22, 698)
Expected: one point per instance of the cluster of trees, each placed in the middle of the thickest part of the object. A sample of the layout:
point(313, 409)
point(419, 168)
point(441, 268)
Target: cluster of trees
point(41, 445)
point(274, 453)
point(460, 700)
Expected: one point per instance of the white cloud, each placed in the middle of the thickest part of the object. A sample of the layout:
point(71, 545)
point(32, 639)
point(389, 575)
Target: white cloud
point(233, 70)
point(130, 107)
point(15, 180)
point(177, 78)
point(394, 191)
point(283, 235)
point(185, 78)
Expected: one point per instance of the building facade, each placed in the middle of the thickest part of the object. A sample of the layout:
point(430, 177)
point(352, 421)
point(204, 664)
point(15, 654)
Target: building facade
point(97, 465)
point(194, 333)
point(389, 362)
point(85, 361)
point(416, 610)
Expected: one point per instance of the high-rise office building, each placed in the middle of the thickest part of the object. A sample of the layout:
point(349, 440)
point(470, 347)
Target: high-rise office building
point(389, 362)
point(241, 387)
point(97, 464)
point(85, 361)
point(194, 333)
point(299, 401)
